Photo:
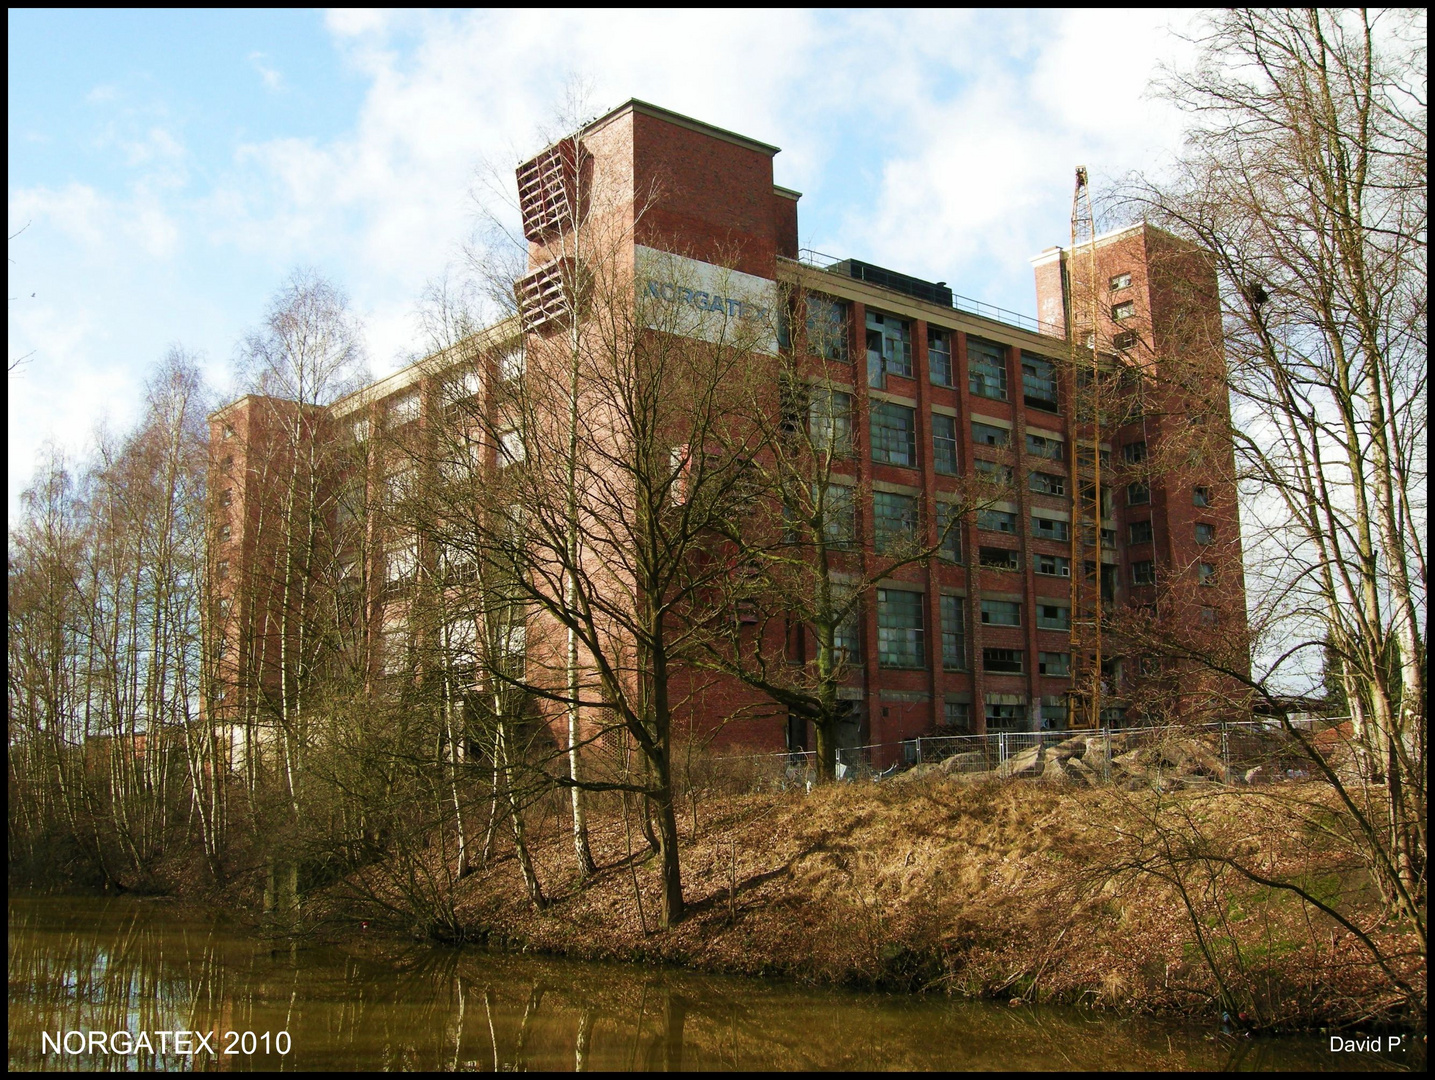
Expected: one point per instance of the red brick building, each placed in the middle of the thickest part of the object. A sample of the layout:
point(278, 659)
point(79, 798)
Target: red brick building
point(941, 391)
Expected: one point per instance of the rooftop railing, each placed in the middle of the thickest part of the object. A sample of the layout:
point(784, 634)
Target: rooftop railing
point(820, 261)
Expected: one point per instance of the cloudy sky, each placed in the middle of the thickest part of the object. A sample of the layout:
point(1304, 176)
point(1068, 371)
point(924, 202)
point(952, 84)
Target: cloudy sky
point(170, 169)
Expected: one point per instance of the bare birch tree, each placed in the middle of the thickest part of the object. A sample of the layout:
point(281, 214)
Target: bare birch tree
point(306, 355)
point(1304, 177)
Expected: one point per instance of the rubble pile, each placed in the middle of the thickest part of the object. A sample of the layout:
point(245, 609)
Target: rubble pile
point(1163, 760)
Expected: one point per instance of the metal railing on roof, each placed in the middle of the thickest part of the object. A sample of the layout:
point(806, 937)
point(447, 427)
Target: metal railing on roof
point(820, 261)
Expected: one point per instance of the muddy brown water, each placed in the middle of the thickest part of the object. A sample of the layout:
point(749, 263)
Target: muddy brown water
point(82, 970)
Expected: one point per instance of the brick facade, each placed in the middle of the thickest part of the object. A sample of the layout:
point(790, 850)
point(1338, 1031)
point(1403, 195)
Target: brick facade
point(666, 182)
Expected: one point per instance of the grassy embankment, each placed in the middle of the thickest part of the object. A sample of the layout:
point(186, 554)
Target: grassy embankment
point(1020, 890)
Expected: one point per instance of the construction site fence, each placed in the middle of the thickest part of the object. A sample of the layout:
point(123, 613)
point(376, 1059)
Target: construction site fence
point(1248, 752)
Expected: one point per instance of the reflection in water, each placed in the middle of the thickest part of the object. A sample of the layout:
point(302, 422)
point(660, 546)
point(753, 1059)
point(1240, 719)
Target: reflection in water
point(133, 966)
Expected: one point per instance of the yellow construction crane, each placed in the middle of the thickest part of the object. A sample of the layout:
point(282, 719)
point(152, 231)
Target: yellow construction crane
point(1082, 329)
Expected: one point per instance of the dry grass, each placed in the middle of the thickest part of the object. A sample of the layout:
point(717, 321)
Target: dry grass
point(1006, 890)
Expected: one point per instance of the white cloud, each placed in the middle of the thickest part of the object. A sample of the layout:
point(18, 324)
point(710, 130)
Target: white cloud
point(107, 229)
point(941, 142)
point(982, 177)
point(351, 22)
point(77, 210)
point(271, 78)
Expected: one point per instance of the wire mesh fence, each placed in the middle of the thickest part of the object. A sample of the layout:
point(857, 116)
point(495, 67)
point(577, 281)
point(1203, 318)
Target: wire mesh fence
point(1233, 753)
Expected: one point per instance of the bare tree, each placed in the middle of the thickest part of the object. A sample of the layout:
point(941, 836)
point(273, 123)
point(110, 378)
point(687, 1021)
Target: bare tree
point(1304, 178)
point(305, 356)
point(801, 569)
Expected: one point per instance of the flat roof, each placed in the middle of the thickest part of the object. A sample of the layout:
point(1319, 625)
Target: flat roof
point(649, 109)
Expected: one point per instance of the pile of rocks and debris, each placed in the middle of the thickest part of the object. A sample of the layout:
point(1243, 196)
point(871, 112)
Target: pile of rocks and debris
point(1164, 760)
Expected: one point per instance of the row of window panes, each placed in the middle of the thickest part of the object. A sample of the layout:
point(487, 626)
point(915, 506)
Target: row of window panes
point(1013, 662)
point(901, 634)
point(894, 433)
point(895, 521)
point(1143, 572)
point(889, 351)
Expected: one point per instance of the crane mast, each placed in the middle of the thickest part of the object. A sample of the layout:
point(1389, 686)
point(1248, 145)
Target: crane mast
point(1082, 330)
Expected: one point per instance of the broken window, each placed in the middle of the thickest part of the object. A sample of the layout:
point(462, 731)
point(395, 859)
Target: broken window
point(1041, 446)
point(986, 368)
point(889, 347)
point(829, 420)
point(1001, 613)
point(939, 356)
point(1054, 663)
point(1049, 528)
point(827, 327)
point(894, 434)
point(1038, 382)
point(1047, 483)
point(1004, 660)
point(990, 434)
point(996, 521)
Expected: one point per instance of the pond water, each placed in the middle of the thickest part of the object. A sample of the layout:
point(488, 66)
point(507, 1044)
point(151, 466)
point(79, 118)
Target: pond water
point(188, 992)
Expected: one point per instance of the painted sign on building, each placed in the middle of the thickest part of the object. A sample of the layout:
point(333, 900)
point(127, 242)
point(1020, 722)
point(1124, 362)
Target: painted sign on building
point(705, 301)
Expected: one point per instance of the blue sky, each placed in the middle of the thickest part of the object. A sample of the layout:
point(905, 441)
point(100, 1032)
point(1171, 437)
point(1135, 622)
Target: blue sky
point(174, 167)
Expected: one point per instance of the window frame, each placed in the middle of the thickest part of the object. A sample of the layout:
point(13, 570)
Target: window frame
point(937, 334)
point(1056, 567)
point(984, 434)
point(894, 351)
point(1043, 621)
point(1040, 446)
point(950, 550)
point(977, 371)
point(884, 538)
point(1001, 613)
point(952, 611)
point(1059, 535)
point(998, 521)
point(1012, 656)
point(830, 334)
point(1012, 564)
point(881, 412)
point(830, 429)
point(913, 654)
point(944, 445)
point(1063, 661)
point(1034, 379)
point(1062, 480)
